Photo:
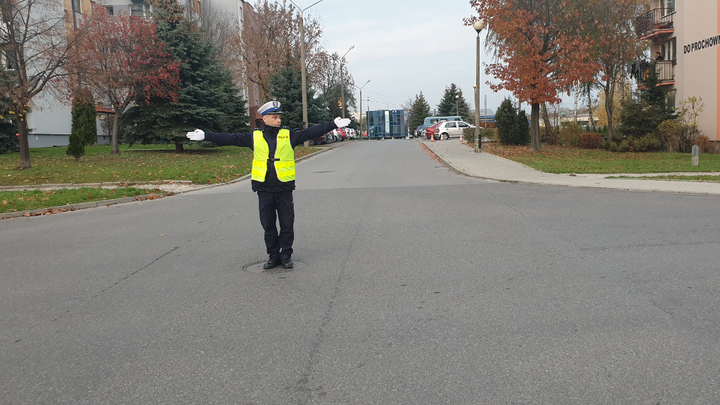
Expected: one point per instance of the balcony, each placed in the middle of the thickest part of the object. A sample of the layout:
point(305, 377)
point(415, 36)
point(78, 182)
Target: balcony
point(654, 24)
point(665, 70)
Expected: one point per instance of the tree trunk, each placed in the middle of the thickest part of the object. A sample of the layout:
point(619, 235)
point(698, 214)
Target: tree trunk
point(590, 109)
point(114, 140)
point(535, 127)
point(549, 130)
point(609, 95)
point(24, 145)
point(179, 147)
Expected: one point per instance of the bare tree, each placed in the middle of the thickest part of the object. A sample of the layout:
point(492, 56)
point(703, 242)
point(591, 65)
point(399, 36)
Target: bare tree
point(37, 46)
point(328, 81)
point(616, 47)
point(271, 40)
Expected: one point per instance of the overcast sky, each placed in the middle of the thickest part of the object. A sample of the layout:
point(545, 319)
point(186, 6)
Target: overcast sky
point(405, 47)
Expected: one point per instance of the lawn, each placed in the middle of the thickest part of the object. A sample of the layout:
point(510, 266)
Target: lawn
point(555, 159)
point(14, 201)
point(140, 163)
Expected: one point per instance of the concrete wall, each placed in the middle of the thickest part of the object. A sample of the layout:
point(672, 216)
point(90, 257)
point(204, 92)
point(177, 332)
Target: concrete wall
point(696, 73)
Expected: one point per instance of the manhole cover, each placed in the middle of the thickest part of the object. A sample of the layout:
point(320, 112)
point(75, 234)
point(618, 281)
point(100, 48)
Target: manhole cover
point(257, 267)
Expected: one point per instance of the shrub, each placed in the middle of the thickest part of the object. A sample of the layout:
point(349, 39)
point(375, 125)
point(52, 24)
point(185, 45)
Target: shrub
point(590, 140)
point(624, 146)
point(570, 134)
point(485, 133)
point(76, 148)
point(672, 133)
point(647, 143)
point(704, 143)
point(469, 135)
point(9, 143)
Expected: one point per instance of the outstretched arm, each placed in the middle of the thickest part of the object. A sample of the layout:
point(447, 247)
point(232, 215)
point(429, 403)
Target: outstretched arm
point(299, 136)
point(221, 139)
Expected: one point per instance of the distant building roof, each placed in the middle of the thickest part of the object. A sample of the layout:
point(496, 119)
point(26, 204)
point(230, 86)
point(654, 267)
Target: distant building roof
point(103, 110)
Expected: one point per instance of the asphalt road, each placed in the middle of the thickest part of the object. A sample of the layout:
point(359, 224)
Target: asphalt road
point(417, 286)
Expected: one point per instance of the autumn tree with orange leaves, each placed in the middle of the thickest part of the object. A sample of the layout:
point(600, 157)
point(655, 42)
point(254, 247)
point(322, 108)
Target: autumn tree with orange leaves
point(123, 61)
point(542, 49)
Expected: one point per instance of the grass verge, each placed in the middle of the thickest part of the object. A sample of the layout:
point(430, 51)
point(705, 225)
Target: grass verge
point(555, 159)
point(18, 201)
point(138, 163)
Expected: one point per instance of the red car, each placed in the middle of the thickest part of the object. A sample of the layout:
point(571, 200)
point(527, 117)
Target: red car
point(431, 131)
point(319, 140)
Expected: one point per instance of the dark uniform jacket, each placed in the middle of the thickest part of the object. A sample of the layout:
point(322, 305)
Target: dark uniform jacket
point(297, 136)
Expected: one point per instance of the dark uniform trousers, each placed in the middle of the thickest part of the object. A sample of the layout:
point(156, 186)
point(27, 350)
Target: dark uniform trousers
point(278, 245)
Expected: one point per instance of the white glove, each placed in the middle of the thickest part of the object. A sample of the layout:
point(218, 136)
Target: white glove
point(196, 135)
point(342, 122)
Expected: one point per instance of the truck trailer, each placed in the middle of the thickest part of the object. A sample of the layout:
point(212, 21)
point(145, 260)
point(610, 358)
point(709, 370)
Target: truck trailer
point(384, 124)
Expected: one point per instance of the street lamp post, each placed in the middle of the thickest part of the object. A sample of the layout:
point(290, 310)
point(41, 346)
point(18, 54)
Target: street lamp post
point(457, 104)
point(342, 83)
point(479, 25)
point(302, 60)
point(361, 87)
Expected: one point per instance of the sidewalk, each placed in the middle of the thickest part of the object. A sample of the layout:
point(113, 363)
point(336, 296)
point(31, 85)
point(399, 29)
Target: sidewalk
point(463, 159)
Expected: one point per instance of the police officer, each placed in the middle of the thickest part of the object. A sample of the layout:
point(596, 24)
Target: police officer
point(273, 174)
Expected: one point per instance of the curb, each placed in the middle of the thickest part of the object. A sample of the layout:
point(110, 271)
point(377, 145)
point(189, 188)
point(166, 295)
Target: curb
point(107, 203)
point(603, 187)
point(80, 206)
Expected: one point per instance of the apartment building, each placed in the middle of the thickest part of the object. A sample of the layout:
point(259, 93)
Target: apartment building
point(685, 33)
point(50, 119)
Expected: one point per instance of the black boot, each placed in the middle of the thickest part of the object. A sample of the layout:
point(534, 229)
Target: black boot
point(273, 262)
point(287, 263)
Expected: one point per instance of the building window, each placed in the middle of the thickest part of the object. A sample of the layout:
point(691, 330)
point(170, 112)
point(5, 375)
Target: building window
point(8, 58)
point(670, 49)
point(77, 6)
point(668, 6)
point(142, 10)
point(110, 10)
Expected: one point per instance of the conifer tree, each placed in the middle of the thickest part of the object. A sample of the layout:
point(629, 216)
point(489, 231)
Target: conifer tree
point(9, 142)
point(286, 87)
point(208, 98)
point(84, 115)
point(644, 115)
point(506, 121)
point(453, 103)
point(522, 129)
point(420, 111)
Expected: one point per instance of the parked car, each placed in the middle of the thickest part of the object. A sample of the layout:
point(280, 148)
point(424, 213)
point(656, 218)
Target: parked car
point(350, 133)
point(431, 131)
point(449, 129)
point(340, 132)
point(320, 140)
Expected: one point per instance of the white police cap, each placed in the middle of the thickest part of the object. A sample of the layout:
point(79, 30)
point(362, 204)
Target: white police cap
point(272, 107)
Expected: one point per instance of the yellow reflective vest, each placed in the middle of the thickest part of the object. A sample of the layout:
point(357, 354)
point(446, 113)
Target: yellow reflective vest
point(284, 157)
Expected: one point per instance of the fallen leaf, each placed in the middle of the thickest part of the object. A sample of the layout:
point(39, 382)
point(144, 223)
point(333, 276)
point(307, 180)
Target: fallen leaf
point(163, 234)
